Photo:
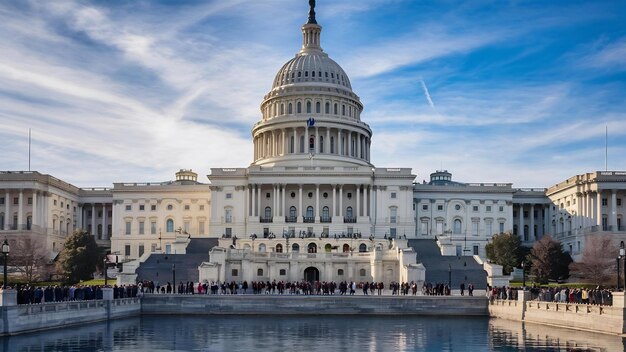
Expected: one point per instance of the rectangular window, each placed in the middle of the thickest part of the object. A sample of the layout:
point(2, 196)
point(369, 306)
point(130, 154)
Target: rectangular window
point(128, 223)
point(228, 216)
point(229, 195)
point(141, 228)
point(424, 228)
point(475, 228)
point(501, 209)
point(393, 195)
point(53, 202)
point(30, 201)
point(129, 207)
point(186, 206)
point(525, 214)
point(153, 227)
point(488, 208)
point(425, 207)
point(440, 207)
point(153, 248)
point(234, 272)
point(186, 226)
point(568, 203)
point(392, 232)
point(489, 228)
point(153, 207)
point(202, 207)
point(605, 201)
point(16, 201)
point(1, 201)
point(100, 214)
point(501, 227)
point(229, 232)
point(475, 208)
point(61, 204)
point(475, 250)
point(439, 227)
point(142, 207)
point(141, 250)
point(619, 202)
point(127, 250)
point(201, 228)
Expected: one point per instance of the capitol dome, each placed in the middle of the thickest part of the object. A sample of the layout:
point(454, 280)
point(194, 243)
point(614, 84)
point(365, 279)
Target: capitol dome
point(311, 113)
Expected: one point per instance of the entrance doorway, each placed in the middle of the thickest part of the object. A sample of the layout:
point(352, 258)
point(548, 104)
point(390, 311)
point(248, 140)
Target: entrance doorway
point(311, 274)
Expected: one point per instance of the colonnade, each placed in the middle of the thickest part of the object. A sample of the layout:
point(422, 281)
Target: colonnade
point(316, 140)
point(280, 206)
point(85, 220)
point(24, 209)
point(542, 226)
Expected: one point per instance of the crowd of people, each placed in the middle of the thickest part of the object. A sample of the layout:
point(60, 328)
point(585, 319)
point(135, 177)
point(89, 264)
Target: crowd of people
point(30, 294)
point(597, 296)
point(281, 287)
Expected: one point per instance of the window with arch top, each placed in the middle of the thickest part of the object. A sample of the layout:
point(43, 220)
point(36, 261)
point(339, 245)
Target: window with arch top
point(362, 248)
point(308, 107)
point(312, 248)
point(457, 226)
point(169, 225)
point(279, 248)
point(290, 109)
point(349, 212)
point(346, 248)
point(318, 107)
point(298, 108)
point(295, 248)
point(268, 212)
point(309, 212)
point(292, 212)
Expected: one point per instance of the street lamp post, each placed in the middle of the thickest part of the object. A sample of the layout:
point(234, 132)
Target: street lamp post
point(450, 278)
point(106, 278)
point(523, 275)
point(622, 255)
point(5, 251)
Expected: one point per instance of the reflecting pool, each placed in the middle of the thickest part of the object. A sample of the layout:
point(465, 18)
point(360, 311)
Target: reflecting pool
point(308, 333)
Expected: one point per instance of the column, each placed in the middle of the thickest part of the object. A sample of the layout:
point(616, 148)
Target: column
point(358, 201)
point(20, 210)
point(334, 201)
point(547, 224)
point(531, 229)
point(251, 205)
point(300, 200)
point(93, 219)
point(599, 209)
point(338, 142)
point(358, 146)
point(341, 200)
point(317, 201)
point(284, 207)
point(520, 218)
point(317, 142)
point(365, 207)
point(258, 201)
point(584, 212)
point(590, 212)
point(613, 211)
point(284, 151)
point(306, 140)
point(327, 142)
point(35, 212)
point(105, 235)
point(8, 217)
point(80, 216)
point(295, 141)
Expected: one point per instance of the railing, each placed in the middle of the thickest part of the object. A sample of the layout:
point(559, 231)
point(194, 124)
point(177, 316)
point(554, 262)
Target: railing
point(326, 219)
point(349, 220)
point(308, 219)
point(291, 219)
point(265, 220)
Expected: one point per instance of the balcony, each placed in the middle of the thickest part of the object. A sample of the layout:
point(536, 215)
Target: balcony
point(265, 220)
point(291, 219)
point(308, 219)
point(326, 219)
point(349, 220)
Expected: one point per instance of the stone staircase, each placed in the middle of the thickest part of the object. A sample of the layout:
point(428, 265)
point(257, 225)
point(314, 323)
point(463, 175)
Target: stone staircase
point(464, 269)
point(158, 267)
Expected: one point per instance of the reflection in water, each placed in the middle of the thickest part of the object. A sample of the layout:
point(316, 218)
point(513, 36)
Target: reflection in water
point(290, 333)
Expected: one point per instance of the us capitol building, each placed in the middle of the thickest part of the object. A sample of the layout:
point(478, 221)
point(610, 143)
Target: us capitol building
point(311, 205)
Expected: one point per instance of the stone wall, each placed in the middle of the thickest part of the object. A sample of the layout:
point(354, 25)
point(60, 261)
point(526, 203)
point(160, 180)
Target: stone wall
point(315, 305)
point(35, 317)
point(604, 319)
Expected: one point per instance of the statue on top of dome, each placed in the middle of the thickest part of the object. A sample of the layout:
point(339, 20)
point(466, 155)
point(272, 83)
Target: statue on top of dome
point(312, 12)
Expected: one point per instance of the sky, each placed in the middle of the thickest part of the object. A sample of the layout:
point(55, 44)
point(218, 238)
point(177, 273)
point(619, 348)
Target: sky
point(519, 92)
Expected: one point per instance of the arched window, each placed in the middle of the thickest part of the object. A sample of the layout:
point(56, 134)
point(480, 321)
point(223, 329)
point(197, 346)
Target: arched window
point(335, 109)
point(293, 212)
point(309, 212)
point(328, 247)
point(339, 272)
point(318, 107)
point(362, 248)
point(346, 248)
point(290, 108)
point(327, 108)
point(343, 110)
point(169, 225)
point(325, 214)
point(457, 226)
point(279, 248)
point(312, 248)
point(282, 109)
point(393, 215)
point(298, 108)
point(362, 272)
point(349, 213)
point(228, 215)
point(268, 212)
point(246, 247)
point(259, 272)
point(29, 222)
point(295, 248)
point(262, 247)
point(308, 107)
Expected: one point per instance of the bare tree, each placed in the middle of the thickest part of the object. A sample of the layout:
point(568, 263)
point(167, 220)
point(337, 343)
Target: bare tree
point(597, 263)
point(29, 257)
point(548, 260)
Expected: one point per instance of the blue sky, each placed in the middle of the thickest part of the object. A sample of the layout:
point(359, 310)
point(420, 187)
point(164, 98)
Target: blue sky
point(493, 91)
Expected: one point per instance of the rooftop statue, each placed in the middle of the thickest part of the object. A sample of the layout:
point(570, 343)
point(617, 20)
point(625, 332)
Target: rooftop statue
point(312, 12)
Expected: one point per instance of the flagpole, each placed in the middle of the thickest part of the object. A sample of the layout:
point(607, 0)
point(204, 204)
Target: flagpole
point(606, 148)
point(29, 149)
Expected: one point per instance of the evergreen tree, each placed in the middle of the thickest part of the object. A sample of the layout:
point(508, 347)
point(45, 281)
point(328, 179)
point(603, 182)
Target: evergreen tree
point(505, 249)
point(79, 257)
